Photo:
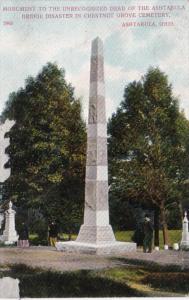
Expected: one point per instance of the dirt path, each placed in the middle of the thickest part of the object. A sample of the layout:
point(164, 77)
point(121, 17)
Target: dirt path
point(49, 258)
point(163, 257)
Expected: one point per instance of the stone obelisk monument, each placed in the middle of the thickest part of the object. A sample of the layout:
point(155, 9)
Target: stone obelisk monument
point(96, 226)
point(96, 234)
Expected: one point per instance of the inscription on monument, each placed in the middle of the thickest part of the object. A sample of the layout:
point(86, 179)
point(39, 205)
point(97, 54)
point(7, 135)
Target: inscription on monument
point(92, 114)
point(97, 71)
point(102, 151)
point(102, 195)
point(91, 153)
point(90, 194)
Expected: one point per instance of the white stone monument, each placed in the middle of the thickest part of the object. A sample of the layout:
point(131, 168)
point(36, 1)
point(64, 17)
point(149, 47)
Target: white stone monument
point(9, 288)
point(9, 234)
point(185, 234)
point(175, 246)
point(4, 175)
point(96, 235)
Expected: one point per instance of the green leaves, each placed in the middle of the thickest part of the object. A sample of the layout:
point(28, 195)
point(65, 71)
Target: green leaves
point(47, 142)
point(150, 133)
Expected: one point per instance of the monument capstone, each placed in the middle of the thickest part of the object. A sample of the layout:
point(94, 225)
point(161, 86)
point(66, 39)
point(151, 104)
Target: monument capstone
point(96, 235)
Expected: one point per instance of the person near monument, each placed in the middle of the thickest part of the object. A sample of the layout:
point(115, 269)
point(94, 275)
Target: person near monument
point(23, 240)
point(148, 235)
point(53, 233)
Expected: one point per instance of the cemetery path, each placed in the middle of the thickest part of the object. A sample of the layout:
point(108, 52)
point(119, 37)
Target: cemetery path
point(49, 258)
point(162, 257)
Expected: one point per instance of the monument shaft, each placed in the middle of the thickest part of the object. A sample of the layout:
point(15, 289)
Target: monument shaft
point(96, 226)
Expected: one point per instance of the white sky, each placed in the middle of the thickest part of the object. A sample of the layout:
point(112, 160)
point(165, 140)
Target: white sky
point(28, 45)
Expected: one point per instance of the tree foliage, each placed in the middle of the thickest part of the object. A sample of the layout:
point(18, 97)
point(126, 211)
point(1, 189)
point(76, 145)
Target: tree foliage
point(47, 149)
point(148, 145)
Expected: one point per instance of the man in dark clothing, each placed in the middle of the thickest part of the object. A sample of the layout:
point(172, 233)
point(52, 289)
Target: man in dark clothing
point(148, 235)
point(53, 233)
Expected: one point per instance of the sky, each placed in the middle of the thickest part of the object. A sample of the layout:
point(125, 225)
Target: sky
point(26, 46)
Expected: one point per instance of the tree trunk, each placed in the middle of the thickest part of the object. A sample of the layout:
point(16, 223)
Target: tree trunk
point(164, 226)
point(181, 211)
point(69, 236)
point(156, 227)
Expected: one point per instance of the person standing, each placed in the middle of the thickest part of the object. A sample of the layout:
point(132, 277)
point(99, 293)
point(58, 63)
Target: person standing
point(148, 235)
point(53, 233)
point(23, 240)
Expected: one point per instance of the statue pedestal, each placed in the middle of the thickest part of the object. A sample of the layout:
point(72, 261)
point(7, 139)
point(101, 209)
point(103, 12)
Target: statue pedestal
point(9, 234)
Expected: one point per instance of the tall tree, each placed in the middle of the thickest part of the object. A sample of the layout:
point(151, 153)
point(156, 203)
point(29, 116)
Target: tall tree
point(47, 149)
point(145, 145)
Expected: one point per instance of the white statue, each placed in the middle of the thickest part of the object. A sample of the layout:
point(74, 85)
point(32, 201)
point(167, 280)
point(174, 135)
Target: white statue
point(9, 234)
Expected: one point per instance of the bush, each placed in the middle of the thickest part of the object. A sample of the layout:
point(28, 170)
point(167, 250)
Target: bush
point(40, 227)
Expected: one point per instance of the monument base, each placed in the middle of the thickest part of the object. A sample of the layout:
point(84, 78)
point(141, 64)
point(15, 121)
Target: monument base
point(7, 240)
point(184, 245)
point(96, 234)
point(113, 248)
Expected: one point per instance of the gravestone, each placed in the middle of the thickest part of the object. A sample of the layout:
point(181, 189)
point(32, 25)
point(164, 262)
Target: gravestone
point(96, 234)
point(9, 288)
point(185, 234)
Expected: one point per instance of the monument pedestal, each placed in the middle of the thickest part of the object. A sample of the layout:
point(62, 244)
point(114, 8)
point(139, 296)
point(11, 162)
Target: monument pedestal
point(184, 245)
point(113, 248)
point(96, 234)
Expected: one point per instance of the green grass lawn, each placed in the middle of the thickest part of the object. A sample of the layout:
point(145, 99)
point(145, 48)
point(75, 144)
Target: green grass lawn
point(125, 281)
point(174, 236)
point(151, 282)
point(124, 236)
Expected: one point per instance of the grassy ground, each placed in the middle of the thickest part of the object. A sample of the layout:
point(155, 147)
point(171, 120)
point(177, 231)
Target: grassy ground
point(152, 282)
point(126, 281)
point(174, 236)
point(125, 236)
point(131, 279)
